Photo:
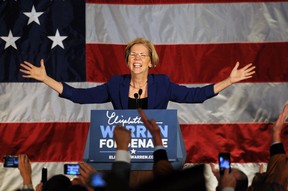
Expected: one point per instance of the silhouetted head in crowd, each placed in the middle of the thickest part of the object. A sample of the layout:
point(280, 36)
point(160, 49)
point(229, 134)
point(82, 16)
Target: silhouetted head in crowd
point(259, 184)
point(57, 183)
point(241, 178)
point(77, 188)
point(191, 178)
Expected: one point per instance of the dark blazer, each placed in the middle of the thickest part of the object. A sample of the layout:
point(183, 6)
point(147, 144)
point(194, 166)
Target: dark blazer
point(162, 165)
point(277, 169)
point(119, 176)
point(276, 173)
point(160, 91)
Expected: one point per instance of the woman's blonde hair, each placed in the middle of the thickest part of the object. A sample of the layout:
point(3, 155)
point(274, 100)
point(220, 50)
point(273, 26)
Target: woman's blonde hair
point(148, 44)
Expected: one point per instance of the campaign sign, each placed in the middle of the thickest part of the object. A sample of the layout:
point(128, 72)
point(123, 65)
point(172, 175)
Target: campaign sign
point(101, 147)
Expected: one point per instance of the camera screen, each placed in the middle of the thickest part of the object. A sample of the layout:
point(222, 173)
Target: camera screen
point(71, 169)
point(97, 180)
point(10, 161)
point(224, 163)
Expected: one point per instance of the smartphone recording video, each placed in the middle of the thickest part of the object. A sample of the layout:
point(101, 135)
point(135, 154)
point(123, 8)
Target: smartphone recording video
point(10, 161)
point(44, 175)
point(71, 169)
point(224, 162)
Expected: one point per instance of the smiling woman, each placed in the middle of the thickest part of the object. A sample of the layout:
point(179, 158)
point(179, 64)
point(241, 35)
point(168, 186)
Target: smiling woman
point(139, 62)
point(139, 88)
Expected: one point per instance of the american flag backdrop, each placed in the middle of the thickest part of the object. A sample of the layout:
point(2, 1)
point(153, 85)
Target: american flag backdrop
point(198, 42)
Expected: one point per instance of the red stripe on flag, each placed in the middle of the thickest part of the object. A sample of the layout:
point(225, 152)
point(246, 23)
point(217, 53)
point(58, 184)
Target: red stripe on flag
point(103, 61)
point(246, 142)
point(66, 141)
point(196, 63)
point(44, 141)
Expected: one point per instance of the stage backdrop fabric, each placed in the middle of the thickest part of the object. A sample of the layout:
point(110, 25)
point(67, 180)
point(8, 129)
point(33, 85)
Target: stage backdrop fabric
point(198, 41)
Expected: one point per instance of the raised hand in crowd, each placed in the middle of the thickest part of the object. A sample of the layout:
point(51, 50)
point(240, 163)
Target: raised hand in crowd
point(226, 181)
point(276, 175)
point(122, 137)
point(121, 167)
point(86, 171)
point(279, 124)
point(25, 169)
point(39, 186)
point(152, 127)
point(162, 165)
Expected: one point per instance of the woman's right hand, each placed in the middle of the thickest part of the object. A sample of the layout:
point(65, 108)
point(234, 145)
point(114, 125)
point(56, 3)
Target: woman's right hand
point(31, 71)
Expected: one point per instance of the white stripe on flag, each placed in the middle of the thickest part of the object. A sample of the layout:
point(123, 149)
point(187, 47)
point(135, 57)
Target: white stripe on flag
point(239, 103)
point(187, 23)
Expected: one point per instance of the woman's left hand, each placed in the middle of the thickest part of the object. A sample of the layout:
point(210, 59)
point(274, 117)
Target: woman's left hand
point(244, 73)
